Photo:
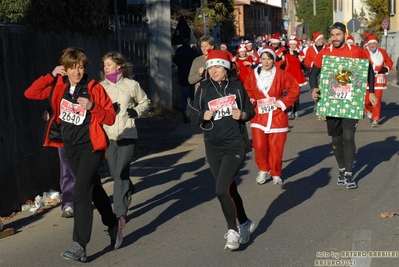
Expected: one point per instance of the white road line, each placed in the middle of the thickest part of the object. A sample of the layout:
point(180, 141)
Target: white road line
point(362, 242)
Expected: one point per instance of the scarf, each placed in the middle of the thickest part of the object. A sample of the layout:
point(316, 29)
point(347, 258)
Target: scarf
point(113, 77)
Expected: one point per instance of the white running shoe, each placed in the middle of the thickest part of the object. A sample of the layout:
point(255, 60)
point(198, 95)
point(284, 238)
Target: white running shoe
point(262, 177)
point(232, 240)
point(277, 180)
point(374, 123)
point(245, 230)
point(369, 115)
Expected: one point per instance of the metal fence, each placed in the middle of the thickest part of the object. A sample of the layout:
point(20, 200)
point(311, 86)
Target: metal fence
point(133, 40)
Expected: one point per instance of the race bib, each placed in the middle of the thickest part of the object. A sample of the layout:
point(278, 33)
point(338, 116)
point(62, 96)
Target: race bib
point(222, 106)
point(380, 79)
point(72, 113)
point(266, 105)
point(342, 92)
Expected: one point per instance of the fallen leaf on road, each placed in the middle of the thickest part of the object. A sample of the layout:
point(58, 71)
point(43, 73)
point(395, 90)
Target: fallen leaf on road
point(388, 214)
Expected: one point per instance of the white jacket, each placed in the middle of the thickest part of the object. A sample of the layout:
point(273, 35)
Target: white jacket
point(128, 94)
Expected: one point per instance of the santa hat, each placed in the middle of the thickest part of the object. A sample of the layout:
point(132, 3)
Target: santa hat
point(242, 48)
point(317, 35)
point(372, 39)
point(247, 42)
point(365, 43)
point(294, 40)
point(275, 38)
point(218, 58)
point(350, 40)
point(268, 49)
point(263, 43)
point(223, 45)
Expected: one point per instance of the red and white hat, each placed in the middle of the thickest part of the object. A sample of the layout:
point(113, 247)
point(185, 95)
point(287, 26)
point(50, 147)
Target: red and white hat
point(247, 42)
point(268, 49)
point(294, 40)
point(242, 48)
point(317, 35)
point(218, 58)
point(350, 40)
point(365, 43)
point(372, 39)
point(275, 38)
point(223, 45)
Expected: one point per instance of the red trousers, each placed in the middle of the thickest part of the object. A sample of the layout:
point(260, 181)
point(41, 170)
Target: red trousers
point(376, 111)
point(269, 150)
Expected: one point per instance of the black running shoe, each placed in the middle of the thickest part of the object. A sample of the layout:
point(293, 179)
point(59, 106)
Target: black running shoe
point(116, 234)
point(350, 182)
point(341, 178)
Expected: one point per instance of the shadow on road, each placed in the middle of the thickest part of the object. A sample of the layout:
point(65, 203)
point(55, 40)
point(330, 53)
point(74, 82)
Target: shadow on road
point(306, 159)
point(182, 197)
point(370, 156)
point(295, 193)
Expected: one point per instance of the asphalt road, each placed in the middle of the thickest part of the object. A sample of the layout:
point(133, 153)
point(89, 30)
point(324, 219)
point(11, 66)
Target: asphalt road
point(175, 219)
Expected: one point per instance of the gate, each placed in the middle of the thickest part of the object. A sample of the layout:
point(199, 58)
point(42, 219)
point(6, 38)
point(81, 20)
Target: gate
point(133, 39)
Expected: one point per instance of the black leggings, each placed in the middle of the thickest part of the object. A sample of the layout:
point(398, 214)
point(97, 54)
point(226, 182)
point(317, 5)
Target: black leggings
point(88, 190)
point(342, 132)
point(225, 165)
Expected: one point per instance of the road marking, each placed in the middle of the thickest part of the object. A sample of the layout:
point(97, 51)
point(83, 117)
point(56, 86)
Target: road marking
point(362, 242)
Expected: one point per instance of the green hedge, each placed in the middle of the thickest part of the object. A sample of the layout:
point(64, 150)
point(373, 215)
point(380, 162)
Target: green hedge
point(89, 17)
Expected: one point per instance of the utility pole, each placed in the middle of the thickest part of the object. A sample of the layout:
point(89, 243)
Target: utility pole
point(314, 7)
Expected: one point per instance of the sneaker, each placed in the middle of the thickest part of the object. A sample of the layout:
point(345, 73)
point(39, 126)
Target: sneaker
point(369, 115)
point(116, 234)
point(232, 240)
point(76, 253)
point(350, 182)
point(262, 177)
point(277, 180)
point(245, 230)
point(296, 116)
point(374, 123)
point(341, 178)
point(67, 212)
point(290, 115)
point(122, 222)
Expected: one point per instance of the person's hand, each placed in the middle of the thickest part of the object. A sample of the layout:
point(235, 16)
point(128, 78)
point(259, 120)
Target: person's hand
point(208, 115)
point(116, 106)
point(237, 114)
point(46, 115)
point(373, 99)
point(201, 71)
point(383, 70)
point(85, 102)
point(59, 70)
point(277, 104)
point(132, 113)
point(315, 94)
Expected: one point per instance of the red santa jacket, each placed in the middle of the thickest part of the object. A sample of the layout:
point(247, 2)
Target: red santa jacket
point(310, 56)
point(277, 120)
point(244, 69)
point(378, 60)
point(293, 66)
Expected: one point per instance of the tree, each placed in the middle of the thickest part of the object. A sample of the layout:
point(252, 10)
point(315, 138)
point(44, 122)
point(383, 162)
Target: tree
point(378, 11)
point(216, 12)
point(319, 23)
point(90, 17)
